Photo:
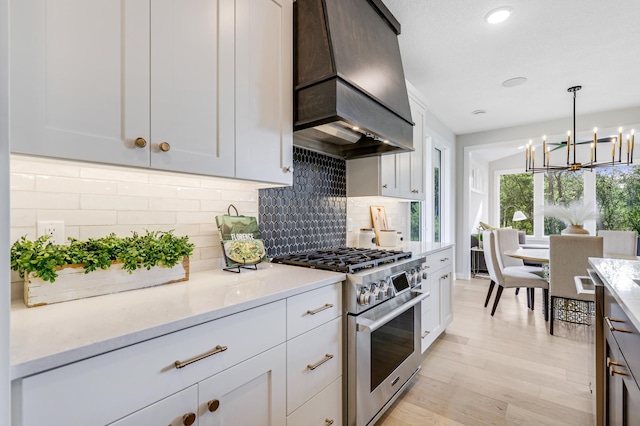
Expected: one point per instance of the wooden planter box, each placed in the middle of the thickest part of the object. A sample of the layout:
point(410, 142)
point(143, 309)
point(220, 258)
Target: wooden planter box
point(72, 283)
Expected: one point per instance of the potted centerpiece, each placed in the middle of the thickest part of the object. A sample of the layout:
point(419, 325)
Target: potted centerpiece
point(62, 272)
point(574, 215)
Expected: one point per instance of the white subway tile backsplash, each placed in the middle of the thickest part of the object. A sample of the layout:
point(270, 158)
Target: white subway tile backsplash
point(199, 193)
point(79, 217)
point(170, 204)
point(95, 200)
point(75, 185)
point(146, 190)
point(120, 174)
point(22, 182)
point(113, 202)
point(49, 200)
point(23, 217)
point(146, 217)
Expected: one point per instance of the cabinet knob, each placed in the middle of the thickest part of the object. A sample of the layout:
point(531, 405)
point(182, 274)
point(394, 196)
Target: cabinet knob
point(288, 169)
point(140, 142)
point(213, 405)
point(165, 147)
point(415, 191)
point(385, 186)
point(188, 419)
point(329, 422)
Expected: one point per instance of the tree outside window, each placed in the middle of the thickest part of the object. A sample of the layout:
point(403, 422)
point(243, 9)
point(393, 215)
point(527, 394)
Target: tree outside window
point(618, 197)
point(561, 188)
point(516, 193)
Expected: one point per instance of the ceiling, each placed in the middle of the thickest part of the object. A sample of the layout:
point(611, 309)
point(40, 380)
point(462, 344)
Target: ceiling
point(458, 61)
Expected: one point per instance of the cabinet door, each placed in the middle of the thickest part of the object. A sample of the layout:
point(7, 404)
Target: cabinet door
point(192, 70)
point(264, 90)
point(403, 164)
point(390, 179)
point(446, 310)
point(251, 393)
point(417, 178)
point(622, 394)
point(177, 410)
point(79, 78)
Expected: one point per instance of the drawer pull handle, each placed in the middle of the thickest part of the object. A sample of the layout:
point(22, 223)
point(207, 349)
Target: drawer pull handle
point(213, 405)
point(613, 371)
point(315, 311)
point(610, 362)
point(425, 334)
point(329, 422)
point(612, 328)
point(215, 350)
point(188, 419)
point(326, 358)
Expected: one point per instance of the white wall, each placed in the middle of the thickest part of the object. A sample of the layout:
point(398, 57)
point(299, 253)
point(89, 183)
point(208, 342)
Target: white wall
point(5, 295)
point(513, 137)
point(94, 200)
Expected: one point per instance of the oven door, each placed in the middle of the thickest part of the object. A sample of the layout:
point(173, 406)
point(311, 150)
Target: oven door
point(383, 354)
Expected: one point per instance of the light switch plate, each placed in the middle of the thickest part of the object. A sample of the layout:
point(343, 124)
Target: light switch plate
point(54, 228)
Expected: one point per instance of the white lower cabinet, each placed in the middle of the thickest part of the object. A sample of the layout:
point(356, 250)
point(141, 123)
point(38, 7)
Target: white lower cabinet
point(322, 410)
point(436, 310)
point(253, 367)
point(176, 410)
point(251, 393)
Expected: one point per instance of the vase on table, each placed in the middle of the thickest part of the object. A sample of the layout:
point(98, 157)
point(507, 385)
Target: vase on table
point(575, 230)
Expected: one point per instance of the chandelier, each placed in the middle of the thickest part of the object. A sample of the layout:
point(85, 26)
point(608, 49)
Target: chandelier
point(614, 141)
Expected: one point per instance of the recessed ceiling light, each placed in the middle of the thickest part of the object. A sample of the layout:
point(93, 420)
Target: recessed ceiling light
point(498, 15)
point(479, 112)
point(513, 82)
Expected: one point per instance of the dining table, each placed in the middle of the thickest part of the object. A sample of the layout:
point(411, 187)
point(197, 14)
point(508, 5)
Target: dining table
point(540, 255)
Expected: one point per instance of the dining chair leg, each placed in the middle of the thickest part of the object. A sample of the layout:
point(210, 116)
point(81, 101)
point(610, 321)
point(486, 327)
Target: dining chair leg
point(497, 299)
point(551, 315)
point(517, 290)
point(545, 303)
point(528, 290)
point(491, 285)
point(533, 297)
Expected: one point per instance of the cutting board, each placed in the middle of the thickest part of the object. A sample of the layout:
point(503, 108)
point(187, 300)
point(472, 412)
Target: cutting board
point(379, 220)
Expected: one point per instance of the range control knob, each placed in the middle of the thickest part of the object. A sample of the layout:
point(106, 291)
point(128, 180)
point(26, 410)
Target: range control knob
point(363, 298)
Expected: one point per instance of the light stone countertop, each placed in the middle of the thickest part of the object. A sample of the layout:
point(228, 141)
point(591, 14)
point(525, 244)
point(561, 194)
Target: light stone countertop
point(50, 336)
point(420, 248)
point(619, 275)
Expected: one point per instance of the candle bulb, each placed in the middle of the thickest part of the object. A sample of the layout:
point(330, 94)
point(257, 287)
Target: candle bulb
point(533, 158)
point(526, 156)
point(613, 149)
point(620, 137)
point(595, 138)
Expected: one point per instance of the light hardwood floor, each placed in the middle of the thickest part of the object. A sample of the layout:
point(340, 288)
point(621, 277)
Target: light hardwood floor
point(501, 370)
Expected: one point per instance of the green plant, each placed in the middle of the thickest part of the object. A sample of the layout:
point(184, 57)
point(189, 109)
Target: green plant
point(137, 251)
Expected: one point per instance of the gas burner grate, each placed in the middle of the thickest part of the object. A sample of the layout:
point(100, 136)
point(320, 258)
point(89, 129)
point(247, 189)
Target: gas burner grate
point(343, 259)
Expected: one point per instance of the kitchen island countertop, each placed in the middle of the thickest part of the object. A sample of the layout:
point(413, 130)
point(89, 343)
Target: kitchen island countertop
point(621, 276)
point(50, 336)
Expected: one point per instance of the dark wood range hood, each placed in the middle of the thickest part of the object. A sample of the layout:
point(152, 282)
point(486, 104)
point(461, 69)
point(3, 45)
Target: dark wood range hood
point(350, 95)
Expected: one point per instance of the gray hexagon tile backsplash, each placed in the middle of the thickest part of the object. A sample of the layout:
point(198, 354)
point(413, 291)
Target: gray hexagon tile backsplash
point(311, 214)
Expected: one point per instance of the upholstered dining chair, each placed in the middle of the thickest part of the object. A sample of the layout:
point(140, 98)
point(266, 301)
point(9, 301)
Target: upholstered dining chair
point(618, 243)
point(508, 277)
point(509, 239)
point(568, 258)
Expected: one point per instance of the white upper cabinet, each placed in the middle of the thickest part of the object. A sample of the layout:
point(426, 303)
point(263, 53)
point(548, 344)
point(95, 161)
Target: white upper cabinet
point(191, 98)
point(79, 88)
point(197, 86)
point(264, 90)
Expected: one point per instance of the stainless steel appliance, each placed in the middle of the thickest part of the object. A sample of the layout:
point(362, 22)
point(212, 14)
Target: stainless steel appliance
point(381, 297)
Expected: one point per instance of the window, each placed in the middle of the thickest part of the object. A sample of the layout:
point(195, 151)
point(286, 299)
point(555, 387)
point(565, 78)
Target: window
point(415, 221)
point(561, 187)
point(516, 194)
point(437, 194)
point(618, 198)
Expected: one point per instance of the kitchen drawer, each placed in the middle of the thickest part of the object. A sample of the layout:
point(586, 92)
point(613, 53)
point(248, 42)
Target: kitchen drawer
point(439, 260)
point(169, 411)
point(322, 409)
point(310, 350)
point(629, 340)
point(313, 308)
point(107, 387)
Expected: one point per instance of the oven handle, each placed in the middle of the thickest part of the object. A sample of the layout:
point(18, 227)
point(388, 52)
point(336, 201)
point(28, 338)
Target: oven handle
point(371, 326)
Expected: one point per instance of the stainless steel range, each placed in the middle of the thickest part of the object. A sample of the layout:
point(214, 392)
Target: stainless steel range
point(381, 298)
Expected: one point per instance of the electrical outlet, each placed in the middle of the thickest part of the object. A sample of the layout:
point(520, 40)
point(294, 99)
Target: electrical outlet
point(54, 228)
